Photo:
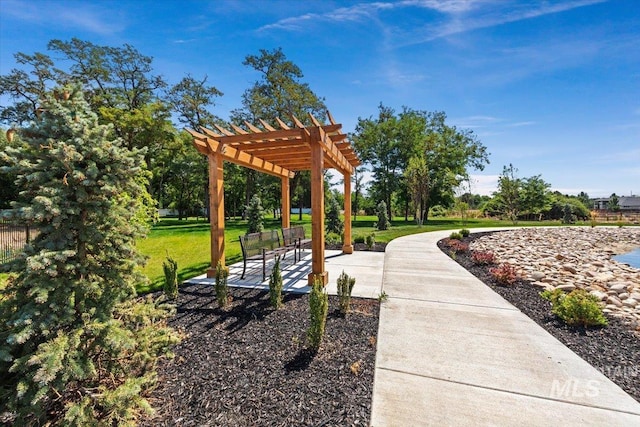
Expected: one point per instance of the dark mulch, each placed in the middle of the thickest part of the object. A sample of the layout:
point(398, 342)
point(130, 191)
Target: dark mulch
point(614, 350)
point(248, 365)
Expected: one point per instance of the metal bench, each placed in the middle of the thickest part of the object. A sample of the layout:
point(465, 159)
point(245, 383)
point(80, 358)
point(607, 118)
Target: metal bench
point(294, 237)
point(263, 245)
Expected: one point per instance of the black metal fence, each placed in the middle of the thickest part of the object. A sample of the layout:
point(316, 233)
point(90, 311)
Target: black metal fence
point(13, 237)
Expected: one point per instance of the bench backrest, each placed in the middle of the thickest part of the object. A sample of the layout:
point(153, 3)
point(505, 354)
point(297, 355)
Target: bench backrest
point(292, 234)
point(253, 243)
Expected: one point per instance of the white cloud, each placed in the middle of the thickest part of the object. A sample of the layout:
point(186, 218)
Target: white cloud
point(475, 122)
point(520, 124)
point(78, 15)
point(358, 12)
point(484, 122)
point(514, 12)
point(447, 6)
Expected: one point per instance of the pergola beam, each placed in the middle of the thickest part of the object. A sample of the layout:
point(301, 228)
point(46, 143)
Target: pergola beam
point(241, 158)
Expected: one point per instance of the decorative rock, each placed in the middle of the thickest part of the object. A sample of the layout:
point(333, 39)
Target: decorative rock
point(600, 295)
point(537, 275)
point(574, 258)
point(618, 287)
point(614, 301)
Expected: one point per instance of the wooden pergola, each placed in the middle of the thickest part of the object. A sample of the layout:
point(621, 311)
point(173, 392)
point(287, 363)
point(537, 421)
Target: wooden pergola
point(280, 152)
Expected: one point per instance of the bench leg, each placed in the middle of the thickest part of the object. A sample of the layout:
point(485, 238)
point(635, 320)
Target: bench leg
point(264, 265)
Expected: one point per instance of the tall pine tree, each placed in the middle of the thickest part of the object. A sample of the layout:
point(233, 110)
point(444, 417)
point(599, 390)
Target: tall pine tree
point(75, 345)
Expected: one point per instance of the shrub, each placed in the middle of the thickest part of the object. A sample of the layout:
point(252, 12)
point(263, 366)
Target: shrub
point(483, 258)
point(576, 308)
point(358, 239)
point(383, 218)
point(465, 232)
point(568, 216)
point(345, 286)
point(275, 285)
point(437, 211)
point(333, 222)
point(333, 238)
point(371, 241)
point(505, 274)
point(457, 246)
point(455, 236)
point(222, 289)
point(170, 267)
point(318, 308)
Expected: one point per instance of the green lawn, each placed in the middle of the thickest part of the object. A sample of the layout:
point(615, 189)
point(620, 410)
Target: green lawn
point(187, 241)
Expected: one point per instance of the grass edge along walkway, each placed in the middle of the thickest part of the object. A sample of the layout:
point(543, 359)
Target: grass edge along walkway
point(187, 241)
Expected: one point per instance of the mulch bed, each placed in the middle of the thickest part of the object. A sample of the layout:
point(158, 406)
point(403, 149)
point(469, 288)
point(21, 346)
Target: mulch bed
point(614, 350)
point(248, 365)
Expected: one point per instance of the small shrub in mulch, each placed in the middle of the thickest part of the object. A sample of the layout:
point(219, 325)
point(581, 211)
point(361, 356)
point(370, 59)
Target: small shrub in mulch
point(576, 308)
point(483, 258)
point(504, 274)
point(248, 364)
point(614, 350)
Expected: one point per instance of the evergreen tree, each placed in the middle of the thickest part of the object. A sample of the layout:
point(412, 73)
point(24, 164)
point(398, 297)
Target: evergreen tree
point(75, 346)
point(255, 215)
point(383, 219)
point(333, 222)
point(614, 203)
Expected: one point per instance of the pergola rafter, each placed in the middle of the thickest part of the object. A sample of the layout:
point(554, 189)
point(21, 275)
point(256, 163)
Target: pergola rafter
point(279, 152)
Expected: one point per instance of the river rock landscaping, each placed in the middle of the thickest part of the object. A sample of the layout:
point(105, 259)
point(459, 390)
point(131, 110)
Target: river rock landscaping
point(574, 257)
point(248, 365)
point(569, 258)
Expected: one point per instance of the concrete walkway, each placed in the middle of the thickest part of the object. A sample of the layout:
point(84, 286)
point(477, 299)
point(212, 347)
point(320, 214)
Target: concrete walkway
point(451, 352)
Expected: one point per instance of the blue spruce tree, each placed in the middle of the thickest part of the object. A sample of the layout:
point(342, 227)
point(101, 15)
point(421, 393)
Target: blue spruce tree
point(75, 346)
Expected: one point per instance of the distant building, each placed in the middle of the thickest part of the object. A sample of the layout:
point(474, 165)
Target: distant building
point(626, 203)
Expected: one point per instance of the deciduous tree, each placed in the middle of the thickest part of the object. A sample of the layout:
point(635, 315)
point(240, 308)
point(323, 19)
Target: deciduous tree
point(279, 93)
point(509, 193)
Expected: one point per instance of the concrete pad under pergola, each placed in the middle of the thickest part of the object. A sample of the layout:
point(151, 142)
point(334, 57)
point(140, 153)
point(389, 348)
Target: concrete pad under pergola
point(280, 152)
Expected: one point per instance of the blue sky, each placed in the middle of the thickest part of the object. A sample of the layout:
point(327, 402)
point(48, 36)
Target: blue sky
point(552, 87)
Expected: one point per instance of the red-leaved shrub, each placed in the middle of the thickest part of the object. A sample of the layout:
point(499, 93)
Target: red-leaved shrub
point(505, 274)
point(483, 257)
point(458, 246)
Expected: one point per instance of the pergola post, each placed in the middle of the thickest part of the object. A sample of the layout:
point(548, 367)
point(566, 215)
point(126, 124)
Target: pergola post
point(317, 212)
point(216, 210)
point(347, 247)
point(285, 202)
